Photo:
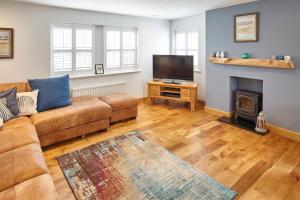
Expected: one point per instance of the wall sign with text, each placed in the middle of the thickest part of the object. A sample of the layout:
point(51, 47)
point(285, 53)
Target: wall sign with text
point(246, 27)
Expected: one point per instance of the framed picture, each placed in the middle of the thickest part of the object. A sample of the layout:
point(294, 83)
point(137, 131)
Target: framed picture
point(6, 43)
point(246, 27)
point(99, 69)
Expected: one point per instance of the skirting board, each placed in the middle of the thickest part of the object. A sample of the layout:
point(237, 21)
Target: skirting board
point(273, 128)
point(217, 112)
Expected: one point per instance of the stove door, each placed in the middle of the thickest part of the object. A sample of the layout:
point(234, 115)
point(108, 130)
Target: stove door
point(246, 105)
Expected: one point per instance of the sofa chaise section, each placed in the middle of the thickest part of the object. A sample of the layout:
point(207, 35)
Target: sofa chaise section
point(85, 115)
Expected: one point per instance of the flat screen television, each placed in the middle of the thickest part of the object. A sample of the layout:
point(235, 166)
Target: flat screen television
point(173, 67)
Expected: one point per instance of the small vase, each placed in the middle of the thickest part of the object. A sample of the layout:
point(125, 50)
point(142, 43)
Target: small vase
point(222, 54)
point(213, 54)
point(218, 54)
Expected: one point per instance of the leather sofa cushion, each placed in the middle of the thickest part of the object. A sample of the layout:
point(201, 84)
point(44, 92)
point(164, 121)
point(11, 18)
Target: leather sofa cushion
point(82, 111)
point(21, 86)
point(21, 164)
point(13, 138)
point(16, 122)
point(120, 101)
point(37, 188)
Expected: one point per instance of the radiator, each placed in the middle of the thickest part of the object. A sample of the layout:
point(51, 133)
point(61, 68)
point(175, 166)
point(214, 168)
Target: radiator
point(100, 90)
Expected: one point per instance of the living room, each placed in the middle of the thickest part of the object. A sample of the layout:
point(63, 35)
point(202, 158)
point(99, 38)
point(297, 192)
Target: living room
point(149, 99)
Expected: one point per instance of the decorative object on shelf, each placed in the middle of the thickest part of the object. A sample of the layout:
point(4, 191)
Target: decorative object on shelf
point(245, 55)
point(261, 123)
point(6, 43)
point(99, 69)
point(287, 58)
point(246, 27)
point(280, 57)
point(273, 57)
point(268, 63)
point(213, 54)
point(222, 54)
point(218, 54)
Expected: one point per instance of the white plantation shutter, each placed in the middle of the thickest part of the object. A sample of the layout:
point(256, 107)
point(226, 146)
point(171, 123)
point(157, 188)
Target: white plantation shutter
point(113, 59)
point(62, 61)
point(192, 40)
point(180, 41)
point(72, 49)
point(84, 49)
point(186, 43)
point(113, 40)
point(113, 48)
point(62, 50)
point(195, 54)
point(129, 48)
point(120, 48)
point(129, 58)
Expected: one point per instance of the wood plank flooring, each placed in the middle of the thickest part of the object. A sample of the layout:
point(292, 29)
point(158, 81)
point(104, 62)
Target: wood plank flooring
point(257, 167)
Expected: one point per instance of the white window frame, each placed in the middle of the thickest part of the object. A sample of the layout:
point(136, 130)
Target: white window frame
point(122, 67)
point(186, 49)
point(74, 50)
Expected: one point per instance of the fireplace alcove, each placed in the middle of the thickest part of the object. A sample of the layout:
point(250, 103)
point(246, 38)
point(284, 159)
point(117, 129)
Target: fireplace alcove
point(246, 102)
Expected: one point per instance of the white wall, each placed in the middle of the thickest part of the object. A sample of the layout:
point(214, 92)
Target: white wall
point(194, 23)
point(31, 24)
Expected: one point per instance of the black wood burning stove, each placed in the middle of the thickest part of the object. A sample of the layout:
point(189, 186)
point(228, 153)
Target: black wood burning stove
point(248, 104)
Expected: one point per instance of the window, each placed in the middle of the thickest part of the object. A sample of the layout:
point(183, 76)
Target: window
point(72, 49)
point(186, 43)
point(120, 48)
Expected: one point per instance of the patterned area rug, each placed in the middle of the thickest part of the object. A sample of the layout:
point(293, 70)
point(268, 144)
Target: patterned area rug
point(130, 167)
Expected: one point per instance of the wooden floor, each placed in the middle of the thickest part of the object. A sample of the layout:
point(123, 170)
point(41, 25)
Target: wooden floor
point(257, 167)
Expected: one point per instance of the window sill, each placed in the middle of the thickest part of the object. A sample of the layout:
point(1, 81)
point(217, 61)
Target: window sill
point(198, 71)
point(106, 74)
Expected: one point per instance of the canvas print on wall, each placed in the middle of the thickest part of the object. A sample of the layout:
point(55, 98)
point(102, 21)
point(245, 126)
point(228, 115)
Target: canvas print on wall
point(246, 27)
point(6, 43)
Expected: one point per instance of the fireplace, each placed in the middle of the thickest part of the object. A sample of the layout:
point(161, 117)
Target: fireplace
point(247, 104)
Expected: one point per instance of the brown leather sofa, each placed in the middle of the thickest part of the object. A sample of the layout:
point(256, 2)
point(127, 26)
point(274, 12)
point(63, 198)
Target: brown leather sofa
point(23, 170)
point(85, 115)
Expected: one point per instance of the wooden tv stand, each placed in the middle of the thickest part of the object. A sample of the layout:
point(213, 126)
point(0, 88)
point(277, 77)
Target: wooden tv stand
point(185, 92)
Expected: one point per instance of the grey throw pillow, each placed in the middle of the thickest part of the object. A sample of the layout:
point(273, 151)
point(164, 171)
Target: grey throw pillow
point(5, 113)
point(11, 99)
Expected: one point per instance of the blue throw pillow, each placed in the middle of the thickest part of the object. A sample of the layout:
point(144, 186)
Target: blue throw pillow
point(53, 92)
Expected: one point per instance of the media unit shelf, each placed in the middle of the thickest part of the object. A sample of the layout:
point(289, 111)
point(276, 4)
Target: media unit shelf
point(266, 63)
point(185, 92)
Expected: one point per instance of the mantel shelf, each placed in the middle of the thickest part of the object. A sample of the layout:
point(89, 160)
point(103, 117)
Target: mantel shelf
point(267, 63)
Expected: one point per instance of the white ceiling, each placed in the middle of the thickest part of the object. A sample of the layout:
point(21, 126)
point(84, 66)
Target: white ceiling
point(162, 9)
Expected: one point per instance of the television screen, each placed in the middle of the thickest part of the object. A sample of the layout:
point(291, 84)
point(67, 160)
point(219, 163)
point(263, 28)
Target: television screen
point(173, 67)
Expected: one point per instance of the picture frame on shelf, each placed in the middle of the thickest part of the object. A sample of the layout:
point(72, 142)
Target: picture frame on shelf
point(99, 69)
point(6, 43)
point(246, 27)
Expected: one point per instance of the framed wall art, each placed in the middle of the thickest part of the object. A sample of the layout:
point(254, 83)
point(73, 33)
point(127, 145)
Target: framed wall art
point(6, 43)
point(246, 27)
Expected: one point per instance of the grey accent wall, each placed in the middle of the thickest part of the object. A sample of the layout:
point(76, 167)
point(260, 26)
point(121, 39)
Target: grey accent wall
point(279, 34)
